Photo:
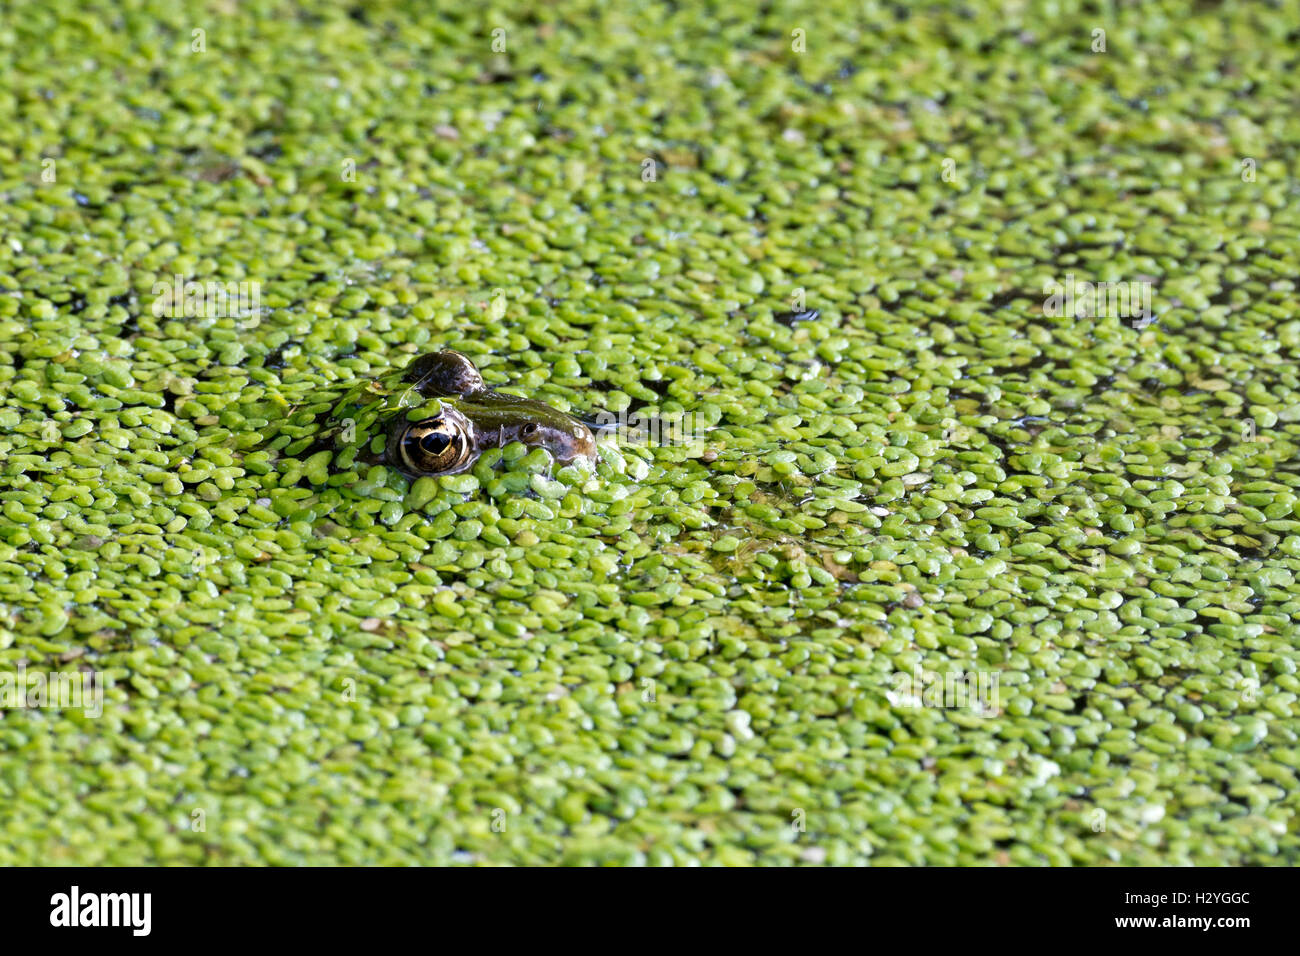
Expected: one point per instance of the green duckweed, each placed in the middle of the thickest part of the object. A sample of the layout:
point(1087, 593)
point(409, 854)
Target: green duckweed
point(938, 573)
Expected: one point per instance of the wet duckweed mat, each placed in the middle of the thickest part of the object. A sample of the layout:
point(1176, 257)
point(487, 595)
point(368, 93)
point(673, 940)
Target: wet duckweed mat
point(979, 323)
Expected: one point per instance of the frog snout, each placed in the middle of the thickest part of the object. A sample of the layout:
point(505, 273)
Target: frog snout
point(584, 442)
point(565, 442)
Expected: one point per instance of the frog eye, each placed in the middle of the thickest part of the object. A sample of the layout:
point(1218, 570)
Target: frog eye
point(433, 446)
point(529, 430)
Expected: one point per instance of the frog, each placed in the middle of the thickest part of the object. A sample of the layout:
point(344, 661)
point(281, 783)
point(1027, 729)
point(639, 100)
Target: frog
point(437, 416)
point(475, 418)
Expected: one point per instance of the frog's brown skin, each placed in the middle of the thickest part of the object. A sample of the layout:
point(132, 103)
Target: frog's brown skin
point(475, 418)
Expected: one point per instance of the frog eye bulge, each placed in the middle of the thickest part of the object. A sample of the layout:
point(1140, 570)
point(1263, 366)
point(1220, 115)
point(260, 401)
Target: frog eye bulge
point(444, 373)
point(434, 445)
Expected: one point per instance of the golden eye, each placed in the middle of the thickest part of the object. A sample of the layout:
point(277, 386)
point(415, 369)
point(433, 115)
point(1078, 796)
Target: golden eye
point(433, 446)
